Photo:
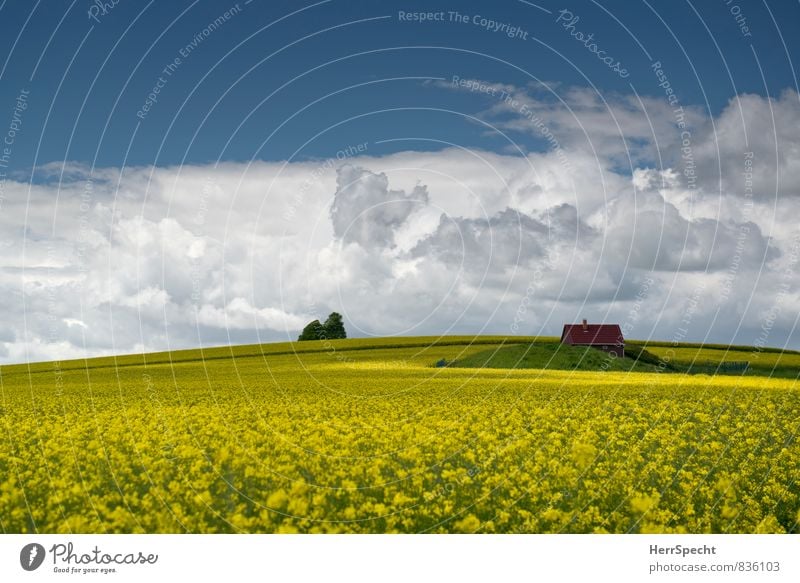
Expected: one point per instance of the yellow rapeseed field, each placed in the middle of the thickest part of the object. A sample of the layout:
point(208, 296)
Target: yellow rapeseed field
point(368, 436)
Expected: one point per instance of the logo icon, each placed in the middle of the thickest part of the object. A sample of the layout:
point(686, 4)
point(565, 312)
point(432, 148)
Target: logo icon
point(31, 556)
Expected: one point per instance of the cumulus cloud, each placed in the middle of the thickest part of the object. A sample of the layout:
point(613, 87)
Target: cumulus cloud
point(623, 129)
point(453, 241)
point(754, 139)
point(652, 234)
point(503, 241)
point(239, 314)
point(366, 212)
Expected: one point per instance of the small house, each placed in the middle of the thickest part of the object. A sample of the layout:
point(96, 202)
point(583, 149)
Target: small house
point(605, 337)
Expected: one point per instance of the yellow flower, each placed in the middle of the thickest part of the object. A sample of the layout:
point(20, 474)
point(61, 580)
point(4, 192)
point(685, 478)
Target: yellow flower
point(469, 523)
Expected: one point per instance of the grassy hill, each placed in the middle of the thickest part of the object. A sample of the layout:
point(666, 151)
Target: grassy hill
point(712, 359)
point(520, 352)
point(551, 355)
point(639, 357)
point(272, 349)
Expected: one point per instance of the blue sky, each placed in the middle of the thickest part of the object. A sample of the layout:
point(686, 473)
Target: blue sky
point(219, 103)
point(177, 174)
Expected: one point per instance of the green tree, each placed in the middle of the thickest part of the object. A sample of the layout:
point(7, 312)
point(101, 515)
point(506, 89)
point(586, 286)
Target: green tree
point(312, 331)
point(334, 326)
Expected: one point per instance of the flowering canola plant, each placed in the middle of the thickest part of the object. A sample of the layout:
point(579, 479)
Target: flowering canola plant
point(368, 436)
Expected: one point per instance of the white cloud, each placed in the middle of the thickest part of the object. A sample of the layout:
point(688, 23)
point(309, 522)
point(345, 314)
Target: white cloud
point(767, 128)
point(239, 314)
point(654, 235)
point(413, 242)
point(365, 211)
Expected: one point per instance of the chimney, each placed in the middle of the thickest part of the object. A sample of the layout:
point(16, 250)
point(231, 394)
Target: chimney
point(585, 327)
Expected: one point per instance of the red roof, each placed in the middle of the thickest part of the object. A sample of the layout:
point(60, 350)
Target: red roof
point(592, 334)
